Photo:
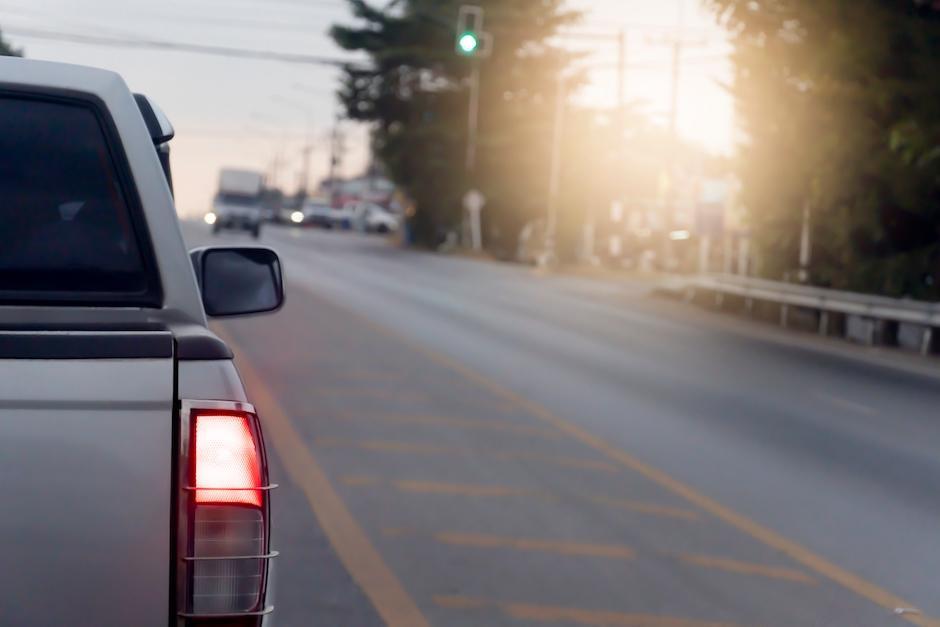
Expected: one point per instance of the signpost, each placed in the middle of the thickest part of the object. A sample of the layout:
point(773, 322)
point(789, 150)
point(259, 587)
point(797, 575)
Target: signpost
point(473, 203)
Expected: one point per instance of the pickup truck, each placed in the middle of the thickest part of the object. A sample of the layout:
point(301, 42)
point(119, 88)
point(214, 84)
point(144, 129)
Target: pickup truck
point(133, 476)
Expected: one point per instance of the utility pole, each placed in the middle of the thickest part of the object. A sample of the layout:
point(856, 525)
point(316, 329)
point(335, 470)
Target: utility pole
point(336, 151)
point(677, 42)
point(621, 83)
point(554, 180)
point(305, 172)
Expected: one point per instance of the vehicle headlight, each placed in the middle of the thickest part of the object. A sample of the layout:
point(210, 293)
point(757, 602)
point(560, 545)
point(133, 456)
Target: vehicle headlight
point(297, 217)
point(210, 218)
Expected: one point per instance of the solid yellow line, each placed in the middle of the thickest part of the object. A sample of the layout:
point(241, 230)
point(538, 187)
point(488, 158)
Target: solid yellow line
point(350, 541)
point(579, 616)
point(561, 547)
point(747, 568)
point(796, 551)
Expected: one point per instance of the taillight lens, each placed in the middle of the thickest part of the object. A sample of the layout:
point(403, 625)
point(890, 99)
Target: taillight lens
point(226, 528)
point(227, 459)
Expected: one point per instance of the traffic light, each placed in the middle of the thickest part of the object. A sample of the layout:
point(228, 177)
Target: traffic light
point(468, 43)
point(471, 40)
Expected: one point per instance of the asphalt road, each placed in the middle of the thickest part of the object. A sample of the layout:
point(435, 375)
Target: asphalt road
point(466, 443)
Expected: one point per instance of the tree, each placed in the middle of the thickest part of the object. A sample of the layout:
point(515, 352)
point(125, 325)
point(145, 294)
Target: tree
point(841, 106)
point(7, 50)
point(414, 92)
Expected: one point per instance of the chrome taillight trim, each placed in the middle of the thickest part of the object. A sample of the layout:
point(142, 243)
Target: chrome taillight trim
point(266, 556)
point(186, 505)
point(267, 610)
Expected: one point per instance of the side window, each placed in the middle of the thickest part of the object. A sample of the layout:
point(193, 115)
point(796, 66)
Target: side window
point(67, 232)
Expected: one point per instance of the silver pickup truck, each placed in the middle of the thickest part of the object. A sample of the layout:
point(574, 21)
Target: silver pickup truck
point(133, 479)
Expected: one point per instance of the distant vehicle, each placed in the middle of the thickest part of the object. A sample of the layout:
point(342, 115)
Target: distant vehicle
point(133, 473)
point(238, 203)
point(317, 214)
point(323, 215)
point(372, 218)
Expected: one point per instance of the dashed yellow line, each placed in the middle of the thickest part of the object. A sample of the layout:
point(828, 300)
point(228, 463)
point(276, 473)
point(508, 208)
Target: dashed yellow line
point(747, 568)
point(578, 616)
point(351, 543)
point(489, 490)
point(560, 547)
point(820, 565)
point(461, 423)
point(460, 489)
point(602, 550)
point(426, 448)
point(643, 508)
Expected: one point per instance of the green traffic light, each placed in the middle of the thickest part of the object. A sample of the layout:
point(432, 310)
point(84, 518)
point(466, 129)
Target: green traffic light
point(468, 43)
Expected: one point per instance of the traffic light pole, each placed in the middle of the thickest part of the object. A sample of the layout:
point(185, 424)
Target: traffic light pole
point(473, 118)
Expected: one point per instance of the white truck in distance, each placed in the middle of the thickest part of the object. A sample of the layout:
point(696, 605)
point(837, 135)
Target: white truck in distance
point(133, 475)
point(238, 203)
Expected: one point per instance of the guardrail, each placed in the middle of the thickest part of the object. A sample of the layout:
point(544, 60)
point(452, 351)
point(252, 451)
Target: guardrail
point(879, 312)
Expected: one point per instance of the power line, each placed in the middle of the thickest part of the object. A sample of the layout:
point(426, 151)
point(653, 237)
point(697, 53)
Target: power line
point(173, 46)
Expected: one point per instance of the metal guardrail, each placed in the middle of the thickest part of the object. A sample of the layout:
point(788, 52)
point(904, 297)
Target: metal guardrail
point(822, 300)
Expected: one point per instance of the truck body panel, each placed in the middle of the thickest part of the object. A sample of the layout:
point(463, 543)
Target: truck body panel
point(85, 480)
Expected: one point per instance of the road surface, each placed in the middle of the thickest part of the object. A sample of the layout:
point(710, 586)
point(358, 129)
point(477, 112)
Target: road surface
point(467, 443)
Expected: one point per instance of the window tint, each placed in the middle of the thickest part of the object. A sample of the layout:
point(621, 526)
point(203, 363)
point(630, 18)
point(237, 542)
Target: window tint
point(66, 228)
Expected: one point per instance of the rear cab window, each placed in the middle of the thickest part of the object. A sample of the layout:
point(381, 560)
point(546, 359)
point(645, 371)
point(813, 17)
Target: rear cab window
point(72, 226)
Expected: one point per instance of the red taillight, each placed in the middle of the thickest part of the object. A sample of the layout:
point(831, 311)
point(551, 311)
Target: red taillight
point(224, 531)
point(227, 467)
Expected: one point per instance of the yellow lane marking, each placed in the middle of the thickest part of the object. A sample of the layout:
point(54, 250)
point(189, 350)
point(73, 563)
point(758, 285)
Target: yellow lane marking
point(462, 489)
point(558, 460)
point(360, 480)
point(369, 392)
point(351, 543)
point(796, 551)
point(746, 568)
point(424, 448)
point(470, 489)
point(844, 403)
point(584, 549)
point(462, 423)
point(643, 508)
point(609, 551)
point(558, 614)
point(454, 602)
point(555, 614)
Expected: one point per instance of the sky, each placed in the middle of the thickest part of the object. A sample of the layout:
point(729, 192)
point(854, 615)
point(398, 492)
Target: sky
point(260, 114)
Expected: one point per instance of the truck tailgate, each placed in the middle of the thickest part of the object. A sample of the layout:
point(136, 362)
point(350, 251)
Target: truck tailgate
point(86, 461)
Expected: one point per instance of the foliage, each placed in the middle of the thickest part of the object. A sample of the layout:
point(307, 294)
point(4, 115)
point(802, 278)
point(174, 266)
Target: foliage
point(840, 100)
point(7, 50)
point(414, 91)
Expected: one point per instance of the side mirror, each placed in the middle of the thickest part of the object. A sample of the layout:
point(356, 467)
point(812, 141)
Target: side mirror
point(237, 281)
